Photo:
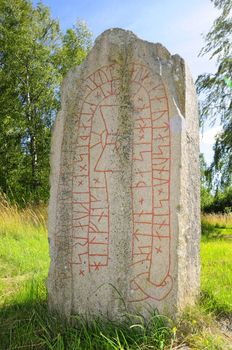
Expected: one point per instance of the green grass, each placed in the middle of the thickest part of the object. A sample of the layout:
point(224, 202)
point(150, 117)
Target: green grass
point(216, 263)
point(216, 275)
point(39, 329)
point(217, 226)
point(23, 248)
point(26, 322)
point(24, 254)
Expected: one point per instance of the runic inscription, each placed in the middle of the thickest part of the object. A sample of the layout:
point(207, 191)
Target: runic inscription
point(84, 196)
point(150, 191)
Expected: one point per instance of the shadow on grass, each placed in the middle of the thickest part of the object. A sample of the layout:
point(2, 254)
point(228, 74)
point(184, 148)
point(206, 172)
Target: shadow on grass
point(30, 325)
point(210, 231)
point(210, 304)
point(19, 327)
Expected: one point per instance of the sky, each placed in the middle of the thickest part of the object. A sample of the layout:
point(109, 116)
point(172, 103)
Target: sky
point(178, 24)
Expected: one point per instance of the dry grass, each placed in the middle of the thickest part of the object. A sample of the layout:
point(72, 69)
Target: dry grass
point(16, 220)
point(200, 330)
point(23, 247)
point(216, 225)
point(218, 220)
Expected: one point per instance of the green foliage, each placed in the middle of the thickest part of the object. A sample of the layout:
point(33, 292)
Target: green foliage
point(34, 56)
point(218, 44)
point(217, 93)
point(28, 77)
point(206, 199)
point(76, 43)
point(221, 203)
point(206, 184)
point(221, 168)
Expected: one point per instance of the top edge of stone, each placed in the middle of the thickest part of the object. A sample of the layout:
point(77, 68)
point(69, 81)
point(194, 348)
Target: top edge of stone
point(115, 33)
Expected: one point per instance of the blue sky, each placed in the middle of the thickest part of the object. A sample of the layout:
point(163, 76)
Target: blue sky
point(177, 24)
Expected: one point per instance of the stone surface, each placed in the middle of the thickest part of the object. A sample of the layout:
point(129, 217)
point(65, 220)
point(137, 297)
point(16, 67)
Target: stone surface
point(124, 206)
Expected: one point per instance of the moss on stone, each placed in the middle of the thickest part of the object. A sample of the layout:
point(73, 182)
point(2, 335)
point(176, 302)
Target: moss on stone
point(125, 129)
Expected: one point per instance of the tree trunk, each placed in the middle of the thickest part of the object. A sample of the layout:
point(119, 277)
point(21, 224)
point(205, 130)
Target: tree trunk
point(33, 148)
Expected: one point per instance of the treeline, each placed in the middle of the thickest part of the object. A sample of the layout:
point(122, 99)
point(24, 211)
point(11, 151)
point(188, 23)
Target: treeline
point(215, 198)
point(34, 57)
point(215, 94)
point(220, 202)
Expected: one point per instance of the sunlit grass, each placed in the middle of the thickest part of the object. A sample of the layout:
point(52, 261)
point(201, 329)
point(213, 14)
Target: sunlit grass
point(216, 274)
point(17, 222)
point(26, 322)
point(216, 263)
point(216, 225)
point(197, 328)
point(218, 220)
point(23, 247)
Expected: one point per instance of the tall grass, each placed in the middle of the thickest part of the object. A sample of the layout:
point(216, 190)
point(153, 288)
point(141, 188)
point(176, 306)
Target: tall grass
point(216, 225)
point(23, 247)
point(14, 220)
point(218, 220)
point(26, 322)
point(216, 263)
point(216, 275)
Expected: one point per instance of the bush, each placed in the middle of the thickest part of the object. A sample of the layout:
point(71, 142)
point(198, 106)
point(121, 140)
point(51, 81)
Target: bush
point(220, 203)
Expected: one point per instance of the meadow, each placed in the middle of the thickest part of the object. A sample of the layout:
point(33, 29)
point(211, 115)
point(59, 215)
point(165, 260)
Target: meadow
point(26, 322)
